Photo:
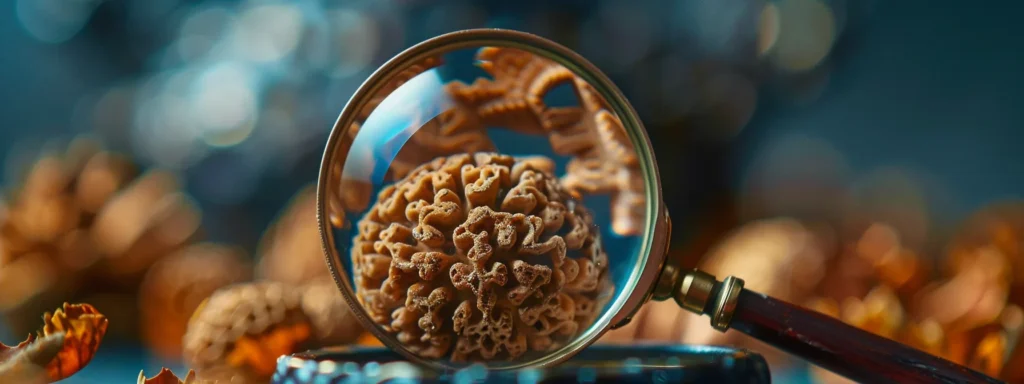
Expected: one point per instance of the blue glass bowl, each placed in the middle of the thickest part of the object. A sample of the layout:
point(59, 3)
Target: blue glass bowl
point(596, 364)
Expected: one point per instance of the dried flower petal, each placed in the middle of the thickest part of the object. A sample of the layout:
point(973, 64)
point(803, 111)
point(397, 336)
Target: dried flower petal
point(167, 377)
point(82, 328)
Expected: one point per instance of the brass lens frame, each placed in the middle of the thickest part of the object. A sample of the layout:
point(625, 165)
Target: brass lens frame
point(639, 287)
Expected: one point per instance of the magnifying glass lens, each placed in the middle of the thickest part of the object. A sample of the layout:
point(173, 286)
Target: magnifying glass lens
point(484, 204)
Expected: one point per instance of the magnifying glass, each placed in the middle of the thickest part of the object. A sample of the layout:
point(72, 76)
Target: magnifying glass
point(489, 196)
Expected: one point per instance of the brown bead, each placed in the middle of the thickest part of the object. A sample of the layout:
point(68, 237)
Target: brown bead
point(451, 267)
point(241, 330)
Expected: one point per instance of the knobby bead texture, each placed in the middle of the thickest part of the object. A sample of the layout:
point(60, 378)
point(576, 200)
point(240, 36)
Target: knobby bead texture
point(480, 257)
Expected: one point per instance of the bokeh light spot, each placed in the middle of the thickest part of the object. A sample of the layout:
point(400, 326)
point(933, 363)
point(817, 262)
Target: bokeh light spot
point(767, 28)
point(268, 33)
point(225, 104)
point(806, 32)
point(201, 30)
point(355, 39)
point(54, 21)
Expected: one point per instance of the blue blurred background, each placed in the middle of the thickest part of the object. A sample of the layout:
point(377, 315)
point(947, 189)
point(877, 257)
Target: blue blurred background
point(755, 108)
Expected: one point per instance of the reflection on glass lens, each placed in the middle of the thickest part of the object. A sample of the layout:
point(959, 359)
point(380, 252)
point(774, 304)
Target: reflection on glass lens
point(486, 206)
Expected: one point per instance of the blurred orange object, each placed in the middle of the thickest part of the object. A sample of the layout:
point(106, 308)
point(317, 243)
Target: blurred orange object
point(926, 335)
point(367, 339)
point(999, 226)
point(975, 296)
point(290, 250)
point(778, 257)
point(82, 225)
point(176, 285)
point(879, 312)
point(989, 353)
point(895, 266)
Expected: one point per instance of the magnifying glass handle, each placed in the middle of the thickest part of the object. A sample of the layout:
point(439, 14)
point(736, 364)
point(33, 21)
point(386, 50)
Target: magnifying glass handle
point(820, 339)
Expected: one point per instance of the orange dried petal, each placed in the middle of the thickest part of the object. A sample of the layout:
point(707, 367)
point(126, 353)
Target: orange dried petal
point(167, 377)
point(79, 327)
point(83, 328)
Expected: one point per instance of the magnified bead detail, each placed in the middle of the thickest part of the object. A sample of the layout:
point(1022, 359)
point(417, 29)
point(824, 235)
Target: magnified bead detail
point(480, 256)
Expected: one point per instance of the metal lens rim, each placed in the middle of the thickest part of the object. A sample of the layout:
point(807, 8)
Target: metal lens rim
point(649, 264)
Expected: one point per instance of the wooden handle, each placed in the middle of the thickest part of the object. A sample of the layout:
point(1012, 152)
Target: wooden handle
point(841, 348)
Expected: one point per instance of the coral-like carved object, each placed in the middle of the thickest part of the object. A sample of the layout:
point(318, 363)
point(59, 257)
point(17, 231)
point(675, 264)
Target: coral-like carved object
point(177, 284)
point(480, 257)
point(81, 327)
point(604, 160)
point(241, 330)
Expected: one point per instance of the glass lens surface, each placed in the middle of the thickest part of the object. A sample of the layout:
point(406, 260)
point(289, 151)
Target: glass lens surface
point(486, 206)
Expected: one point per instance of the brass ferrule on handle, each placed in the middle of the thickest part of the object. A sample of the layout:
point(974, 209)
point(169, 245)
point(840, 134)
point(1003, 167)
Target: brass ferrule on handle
point(699, 292)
